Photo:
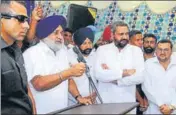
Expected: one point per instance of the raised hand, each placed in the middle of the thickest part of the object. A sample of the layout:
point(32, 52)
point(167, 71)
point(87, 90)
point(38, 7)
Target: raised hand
point(37, 13)
point(78, 69)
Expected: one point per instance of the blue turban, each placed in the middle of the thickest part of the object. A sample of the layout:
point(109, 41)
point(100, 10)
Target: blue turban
point(47, 25)
point(93, 28)
point(81, 35)
point(97, 36)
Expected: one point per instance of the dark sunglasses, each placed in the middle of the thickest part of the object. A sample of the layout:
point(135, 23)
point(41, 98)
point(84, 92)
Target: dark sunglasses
point(20, 18)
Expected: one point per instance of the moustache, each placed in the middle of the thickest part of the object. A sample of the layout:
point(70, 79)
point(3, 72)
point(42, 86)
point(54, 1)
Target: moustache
point(162, 55)
point(59, 41)
point(122, 43)
point(86, 51)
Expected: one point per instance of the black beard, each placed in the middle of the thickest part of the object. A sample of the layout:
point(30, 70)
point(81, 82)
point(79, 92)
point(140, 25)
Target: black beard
point(148, 50)
point(122, 43)
point(86, 51)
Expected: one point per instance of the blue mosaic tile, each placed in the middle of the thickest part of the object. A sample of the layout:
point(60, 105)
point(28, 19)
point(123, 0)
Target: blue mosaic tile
point(164, 25)
point(172, 15)
point(155, 31)
point(168, 33)
point(175, 29)
point(174, 38)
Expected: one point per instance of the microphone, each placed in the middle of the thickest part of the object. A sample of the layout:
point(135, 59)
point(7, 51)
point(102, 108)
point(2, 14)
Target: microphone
point(79, 54)
point(81, 59)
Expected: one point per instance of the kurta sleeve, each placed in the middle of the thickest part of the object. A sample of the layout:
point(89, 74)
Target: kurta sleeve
point(151, 94)
point(137, 78)
point(105, 75)
point(173, 96)
point(149, 88)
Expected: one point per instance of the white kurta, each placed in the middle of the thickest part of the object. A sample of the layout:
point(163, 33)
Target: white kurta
point(131, 57)
point(158, 84)
point(82, 82)
point(41, 60)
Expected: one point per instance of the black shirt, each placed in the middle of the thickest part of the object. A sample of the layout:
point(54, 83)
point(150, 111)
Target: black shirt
point(14, 93)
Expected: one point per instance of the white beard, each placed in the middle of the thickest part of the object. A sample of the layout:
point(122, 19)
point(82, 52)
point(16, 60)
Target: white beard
point(53, 45)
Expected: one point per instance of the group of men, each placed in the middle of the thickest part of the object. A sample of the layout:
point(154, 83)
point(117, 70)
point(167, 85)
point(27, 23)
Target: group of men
point(40, 79)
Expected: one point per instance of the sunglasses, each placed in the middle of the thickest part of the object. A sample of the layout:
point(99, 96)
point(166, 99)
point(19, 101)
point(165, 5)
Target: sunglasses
point(20, 18)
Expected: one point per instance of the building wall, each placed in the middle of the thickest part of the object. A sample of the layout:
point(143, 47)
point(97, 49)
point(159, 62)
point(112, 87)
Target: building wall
point(142, 16)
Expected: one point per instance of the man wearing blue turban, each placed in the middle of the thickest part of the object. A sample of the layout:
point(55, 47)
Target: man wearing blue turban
point(83, 39)
point(48, 68)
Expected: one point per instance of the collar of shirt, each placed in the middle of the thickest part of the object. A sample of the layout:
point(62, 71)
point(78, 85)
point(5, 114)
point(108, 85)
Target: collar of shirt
point(149, 58)
point(3, 44)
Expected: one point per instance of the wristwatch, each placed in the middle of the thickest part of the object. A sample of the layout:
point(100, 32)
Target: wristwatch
point(76, 97)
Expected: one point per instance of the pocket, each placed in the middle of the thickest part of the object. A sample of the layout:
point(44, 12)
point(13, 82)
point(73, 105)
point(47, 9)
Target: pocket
point(10, 81)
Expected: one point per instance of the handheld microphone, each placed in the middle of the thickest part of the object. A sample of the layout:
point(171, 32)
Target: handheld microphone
point(81, 59)
point(79, 54)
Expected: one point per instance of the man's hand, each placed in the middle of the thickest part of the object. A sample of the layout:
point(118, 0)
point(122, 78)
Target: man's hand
point(141, 101)
point(165, 109)
point(32, 100)
point(78, 69)
point(143, 107)
point(104, 66)
point(92, 97)
point(37, 13)
point(128, 72)
point(146, 104)
point(84, 100)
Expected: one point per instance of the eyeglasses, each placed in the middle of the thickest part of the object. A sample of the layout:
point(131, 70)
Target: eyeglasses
point(20, 18)
point(162, 50)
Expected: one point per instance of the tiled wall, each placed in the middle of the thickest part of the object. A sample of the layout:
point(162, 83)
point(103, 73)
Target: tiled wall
point(141, 18)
